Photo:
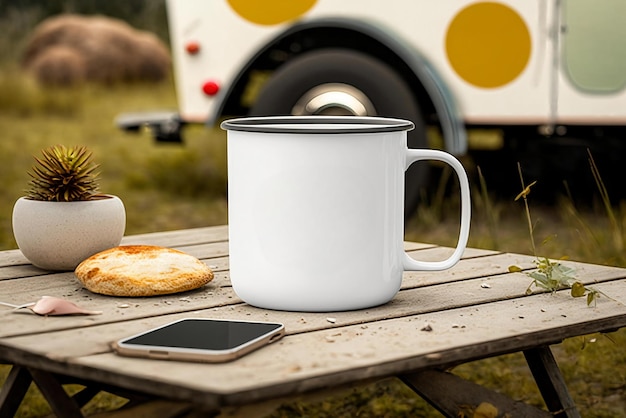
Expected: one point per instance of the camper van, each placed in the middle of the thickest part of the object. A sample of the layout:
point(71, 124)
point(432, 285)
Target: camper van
point(542, 74)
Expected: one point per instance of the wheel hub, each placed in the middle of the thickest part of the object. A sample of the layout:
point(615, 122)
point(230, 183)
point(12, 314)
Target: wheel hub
point(334, 99)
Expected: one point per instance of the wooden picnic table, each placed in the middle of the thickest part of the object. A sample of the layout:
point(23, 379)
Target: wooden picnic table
point(477, 309)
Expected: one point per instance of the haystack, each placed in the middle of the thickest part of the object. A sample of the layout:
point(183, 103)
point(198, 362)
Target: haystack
point(66, 49)
point(59, 65)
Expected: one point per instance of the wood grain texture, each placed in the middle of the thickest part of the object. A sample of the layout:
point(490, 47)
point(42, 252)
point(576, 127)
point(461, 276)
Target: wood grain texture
point(476, 309)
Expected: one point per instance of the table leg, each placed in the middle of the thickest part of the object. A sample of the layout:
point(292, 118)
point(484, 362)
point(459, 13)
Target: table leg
point(85, 395)
point(455, 397)
point(91, 389)
point(52, 389)
point(550, 382)
point(13, 391)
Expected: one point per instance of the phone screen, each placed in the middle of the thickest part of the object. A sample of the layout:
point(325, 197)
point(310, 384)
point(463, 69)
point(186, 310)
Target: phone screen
point(204, 334)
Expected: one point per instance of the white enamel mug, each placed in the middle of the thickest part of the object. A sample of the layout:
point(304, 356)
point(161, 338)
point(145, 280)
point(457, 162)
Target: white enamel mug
point(315, 208)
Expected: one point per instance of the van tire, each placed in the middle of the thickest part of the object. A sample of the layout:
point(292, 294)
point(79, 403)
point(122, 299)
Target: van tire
point(385, 88)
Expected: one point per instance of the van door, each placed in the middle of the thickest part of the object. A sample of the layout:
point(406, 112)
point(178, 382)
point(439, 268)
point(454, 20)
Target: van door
point(592, 76)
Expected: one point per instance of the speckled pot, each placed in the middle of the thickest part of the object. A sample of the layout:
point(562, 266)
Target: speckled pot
point(59, 235)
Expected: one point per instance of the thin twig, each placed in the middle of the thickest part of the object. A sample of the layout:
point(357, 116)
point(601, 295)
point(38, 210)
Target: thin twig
point(523, 194)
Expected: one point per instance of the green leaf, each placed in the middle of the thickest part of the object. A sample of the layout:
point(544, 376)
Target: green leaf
point(578, 290)
point(591, 296)
point(547, 239)
point(540, 278)
point(514, 269)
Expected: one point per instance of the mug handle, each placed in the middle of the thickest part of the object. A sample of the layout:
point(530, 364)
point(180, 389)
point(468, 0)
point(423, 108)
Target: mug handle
point(414, 155)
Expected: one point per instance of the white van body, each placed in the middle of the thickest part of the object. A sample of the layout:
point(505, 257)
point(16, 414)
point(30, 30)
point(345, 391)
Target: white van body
point(561, 82)
point(540, 72)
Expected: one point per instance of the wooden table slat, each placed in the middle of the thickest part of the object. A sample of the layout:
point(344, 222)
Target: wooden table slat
point(474, 310)
point(178, 238)
point(460, 286)
point(366, 350)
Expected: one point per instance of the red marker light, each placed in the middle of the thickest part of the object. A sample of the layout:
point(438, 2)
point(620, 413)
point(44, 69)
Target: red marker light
point(210, 88)
point(192, 47)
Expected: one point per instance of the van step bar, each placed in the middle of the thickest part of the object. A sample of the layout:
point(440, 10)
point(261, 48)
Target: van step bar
point(164, 126)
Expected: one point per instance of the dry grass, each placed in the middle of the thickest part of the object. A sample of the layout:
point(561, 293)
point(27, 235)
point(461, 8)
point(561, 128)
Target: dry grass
point(171, 187)
point(163, 186)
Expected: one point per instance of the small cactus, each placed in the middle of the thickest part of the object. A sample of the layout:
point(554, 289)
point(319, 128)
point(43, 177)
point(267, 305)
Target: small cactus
point(64, 175)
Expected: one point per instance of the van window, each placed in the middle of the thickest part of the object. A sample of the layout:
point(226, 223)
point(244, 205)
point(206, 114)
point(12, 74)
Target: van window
point(594, 41)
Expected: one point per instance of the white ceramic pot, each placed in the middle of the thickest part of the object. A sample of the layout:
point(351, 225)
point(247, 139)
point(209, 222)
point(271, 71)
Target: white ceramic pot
point(59, 235)
point(315, 210)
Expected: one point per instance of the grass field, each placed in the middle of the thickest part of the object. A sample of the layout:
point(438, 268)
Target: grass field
point(167, 186)
point(164, 186)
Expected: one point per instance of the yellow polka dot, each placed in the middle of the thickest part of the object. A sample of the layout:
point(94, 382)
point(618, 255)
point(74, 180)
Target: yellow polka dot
point(270, 12)
point(488, 44)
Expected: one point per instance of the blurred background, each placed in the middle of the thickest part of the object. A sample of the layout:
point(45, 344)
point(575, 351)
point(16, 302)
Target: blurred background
point(163, 186)
point(169, 186)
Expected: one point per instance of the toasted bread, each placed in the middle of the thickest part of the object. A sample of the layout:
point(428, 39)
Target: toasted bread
point(142, 270)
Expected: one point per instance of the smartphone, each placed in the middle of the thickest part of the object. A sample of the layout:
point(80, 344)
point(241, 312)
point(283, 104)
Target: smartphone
point(200, 339)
